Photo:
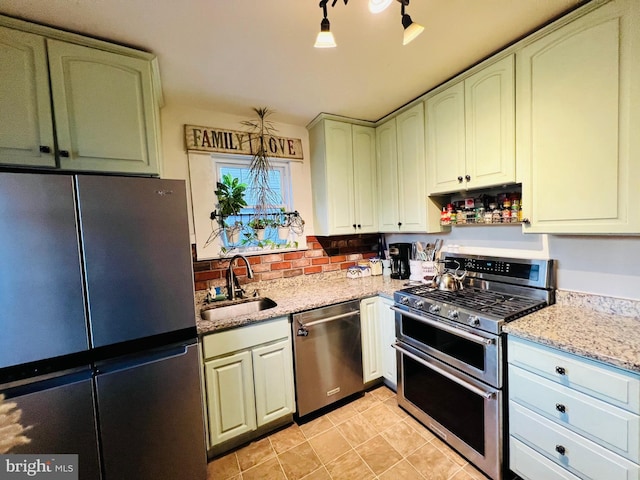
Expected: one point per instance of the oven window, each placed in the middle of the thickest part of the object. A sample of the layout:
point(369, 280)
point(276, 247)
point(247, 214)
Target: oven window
point(453, 406)
point(464, 350)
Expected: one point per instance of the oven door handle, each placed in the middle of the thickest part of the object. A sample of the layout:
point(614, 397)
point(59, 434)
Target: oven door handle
point(443, 326)
point(478, 391)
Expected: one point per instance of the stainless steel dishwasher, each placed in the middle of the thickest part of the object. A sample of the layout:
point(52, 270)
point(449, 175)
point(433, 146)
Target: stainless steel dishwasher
point(327, 355)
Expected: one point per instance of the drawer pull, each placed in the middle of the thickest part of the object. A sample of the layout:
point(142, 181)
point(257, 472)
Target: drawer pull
point(561, 408)
point(560, 449)
point(560, 370)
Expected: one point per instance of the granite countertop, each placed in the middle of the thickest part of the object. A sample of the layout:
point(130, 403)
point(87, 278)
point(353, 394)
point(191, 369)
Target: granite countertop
point(605, 329)
point(302, 293)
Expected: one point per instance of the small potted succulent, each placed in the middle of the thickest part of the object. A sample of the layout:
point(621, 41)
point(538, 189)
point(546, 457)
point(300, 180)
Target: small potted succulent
point(282, 223)
point(259, 225)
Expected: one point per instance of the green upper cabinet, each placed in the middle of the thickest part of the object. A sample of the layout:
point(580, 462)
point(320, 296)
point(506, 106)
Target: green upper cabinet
point(102, 102)
point(471, 131)
point(343, 169)
point(26, 129)
point(578, 122)
point(104, 110)
point(402, 195)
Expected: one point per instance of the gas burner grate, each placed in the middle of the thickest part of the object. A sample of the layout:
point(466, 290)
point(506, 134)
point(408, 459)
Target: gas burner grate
point(501, 305)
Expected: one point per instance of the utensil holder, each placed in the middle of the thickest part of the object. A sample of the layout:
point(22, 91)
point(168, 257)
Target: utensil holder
point(428, 271)
point(415, 269)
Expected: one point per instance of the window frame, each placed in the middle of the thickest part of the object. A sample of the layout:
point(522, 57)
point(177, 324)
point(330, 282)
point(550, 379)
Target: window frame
point(286, 183)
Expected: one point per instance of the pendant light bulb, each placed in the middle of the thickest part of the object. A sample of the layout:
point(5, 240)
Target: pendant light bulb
point(325, 37)
point(377, 6)
point(411, 29)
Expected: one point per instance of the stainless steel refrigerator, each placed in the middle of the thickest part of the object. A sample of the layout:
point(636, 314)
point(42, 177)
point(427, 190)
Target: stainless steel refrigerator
point(98, 345)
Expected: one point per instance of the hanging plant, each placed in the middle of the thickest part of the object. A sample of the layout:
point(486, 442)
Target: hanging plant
point(260, 130)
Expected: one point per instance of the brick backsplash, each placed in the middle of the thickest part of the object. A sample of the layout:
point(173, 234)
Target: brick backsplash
point(323, 254)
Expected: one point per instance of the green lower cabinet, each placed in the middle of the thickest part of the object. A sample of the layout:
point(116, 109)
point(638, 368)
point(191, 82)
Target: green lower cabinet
point(248, 374)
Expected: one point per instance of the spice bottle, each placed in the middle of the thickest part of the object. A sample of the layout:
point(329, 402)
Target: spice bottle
point(445, 217)
point(520, 212)
point(496, 215)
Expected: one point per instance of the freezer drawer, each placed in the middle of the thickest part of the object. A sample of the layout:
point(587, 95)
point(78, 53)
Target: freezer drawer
point(151, 417)
point(60, 415)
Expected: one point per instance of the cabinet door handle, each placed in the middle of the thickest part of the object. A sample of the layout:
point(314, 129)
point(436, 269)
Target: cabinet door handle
point(561, 371)
point(359, 226)
point(45, 149)
point(561, 408)
point(64, 153)
point(399, 224)
point(460, 179)
point(467, 178)
point(560, 449)
point(354, 226)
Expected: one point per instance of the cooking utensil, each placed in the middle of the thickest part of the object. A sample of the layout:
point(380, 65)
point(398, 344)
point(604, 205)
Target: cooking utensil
point(421, 254)
point(437, 247)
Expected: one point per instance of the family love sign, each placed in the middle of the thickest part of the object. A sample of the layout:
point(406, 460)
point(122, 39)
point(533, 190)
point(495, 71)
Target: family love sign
point(207, 139)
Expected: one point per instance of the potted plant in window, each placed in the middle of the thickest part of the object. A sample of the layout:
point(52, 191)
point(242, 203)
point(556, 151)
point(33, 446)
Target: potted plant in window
point(283, 224)
point(259, 225)
point(230, 193)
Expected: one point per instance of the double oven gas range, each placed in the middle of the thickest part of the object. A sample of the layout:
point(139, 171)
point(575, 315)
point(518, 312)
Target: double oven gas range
point(451, 351)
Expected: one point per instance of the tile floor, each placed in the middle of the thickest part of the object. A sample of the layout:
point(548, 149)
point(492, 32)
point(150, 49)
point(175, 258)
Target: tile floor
point(369, 438)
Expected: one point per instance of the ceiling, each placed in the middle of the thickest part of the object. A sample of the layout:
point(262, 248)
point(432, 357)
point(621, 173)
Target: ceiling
point(233, 55)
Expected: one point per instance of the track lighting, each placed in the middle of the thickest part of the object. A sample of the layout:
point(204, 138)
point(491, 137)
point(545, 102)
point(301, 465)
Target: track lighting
point(325, 37)
point(411, 29)
point(377, 6)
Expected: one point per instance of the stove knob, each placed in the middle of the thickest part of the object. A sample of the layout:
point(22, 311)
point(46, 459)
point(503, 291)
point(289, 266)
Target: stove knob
point(434, 309)
point(404, 300)
point(418, 304)
point(453, 314)
point(474, 321)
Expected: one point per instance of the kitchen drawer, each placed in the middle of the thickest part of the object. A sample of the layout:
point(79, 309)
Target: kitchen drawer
point(530, 465)
point(609, 384)
point(611, 427)
point(581, 456)
point(242, 338)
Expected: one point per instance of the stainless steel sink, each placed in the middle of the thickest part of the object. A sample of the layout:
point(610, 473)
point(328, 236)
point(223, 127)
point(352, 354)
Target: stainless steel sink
point(223, 311)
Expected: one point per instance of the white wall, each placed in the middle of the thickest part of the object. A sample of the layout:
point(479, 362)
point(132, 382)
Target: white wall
point(601, 265)
point(176, 164)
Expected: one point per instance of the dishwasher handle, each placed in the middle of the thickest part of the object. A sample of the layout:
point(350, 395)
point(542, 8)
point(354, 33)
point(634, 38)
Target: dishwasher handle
point(302, 329)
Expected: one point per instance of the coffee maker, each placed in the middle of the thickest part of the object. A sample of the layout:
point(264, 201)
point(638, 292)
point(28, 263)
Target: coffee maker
point(399, 255)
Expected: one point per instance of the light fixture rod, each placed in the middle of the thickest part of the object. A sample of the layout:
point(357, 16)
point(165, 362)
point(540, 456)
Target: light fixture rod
point(325, 37)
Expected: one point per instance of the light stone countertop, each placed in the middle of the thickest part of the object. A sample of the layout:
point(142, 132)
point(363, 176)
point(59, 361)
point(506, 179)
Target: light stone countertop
point(605, 329)
point(302, 293)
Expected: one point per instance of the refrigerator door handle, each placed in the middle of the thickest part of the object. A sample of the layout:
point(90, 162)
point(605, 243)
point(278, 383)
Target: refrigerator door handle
point(133, 361)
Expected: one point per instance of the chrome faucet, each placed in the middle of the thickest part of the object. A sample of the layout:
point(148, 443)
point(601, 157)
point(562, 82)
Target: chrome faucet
point(232, 279)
